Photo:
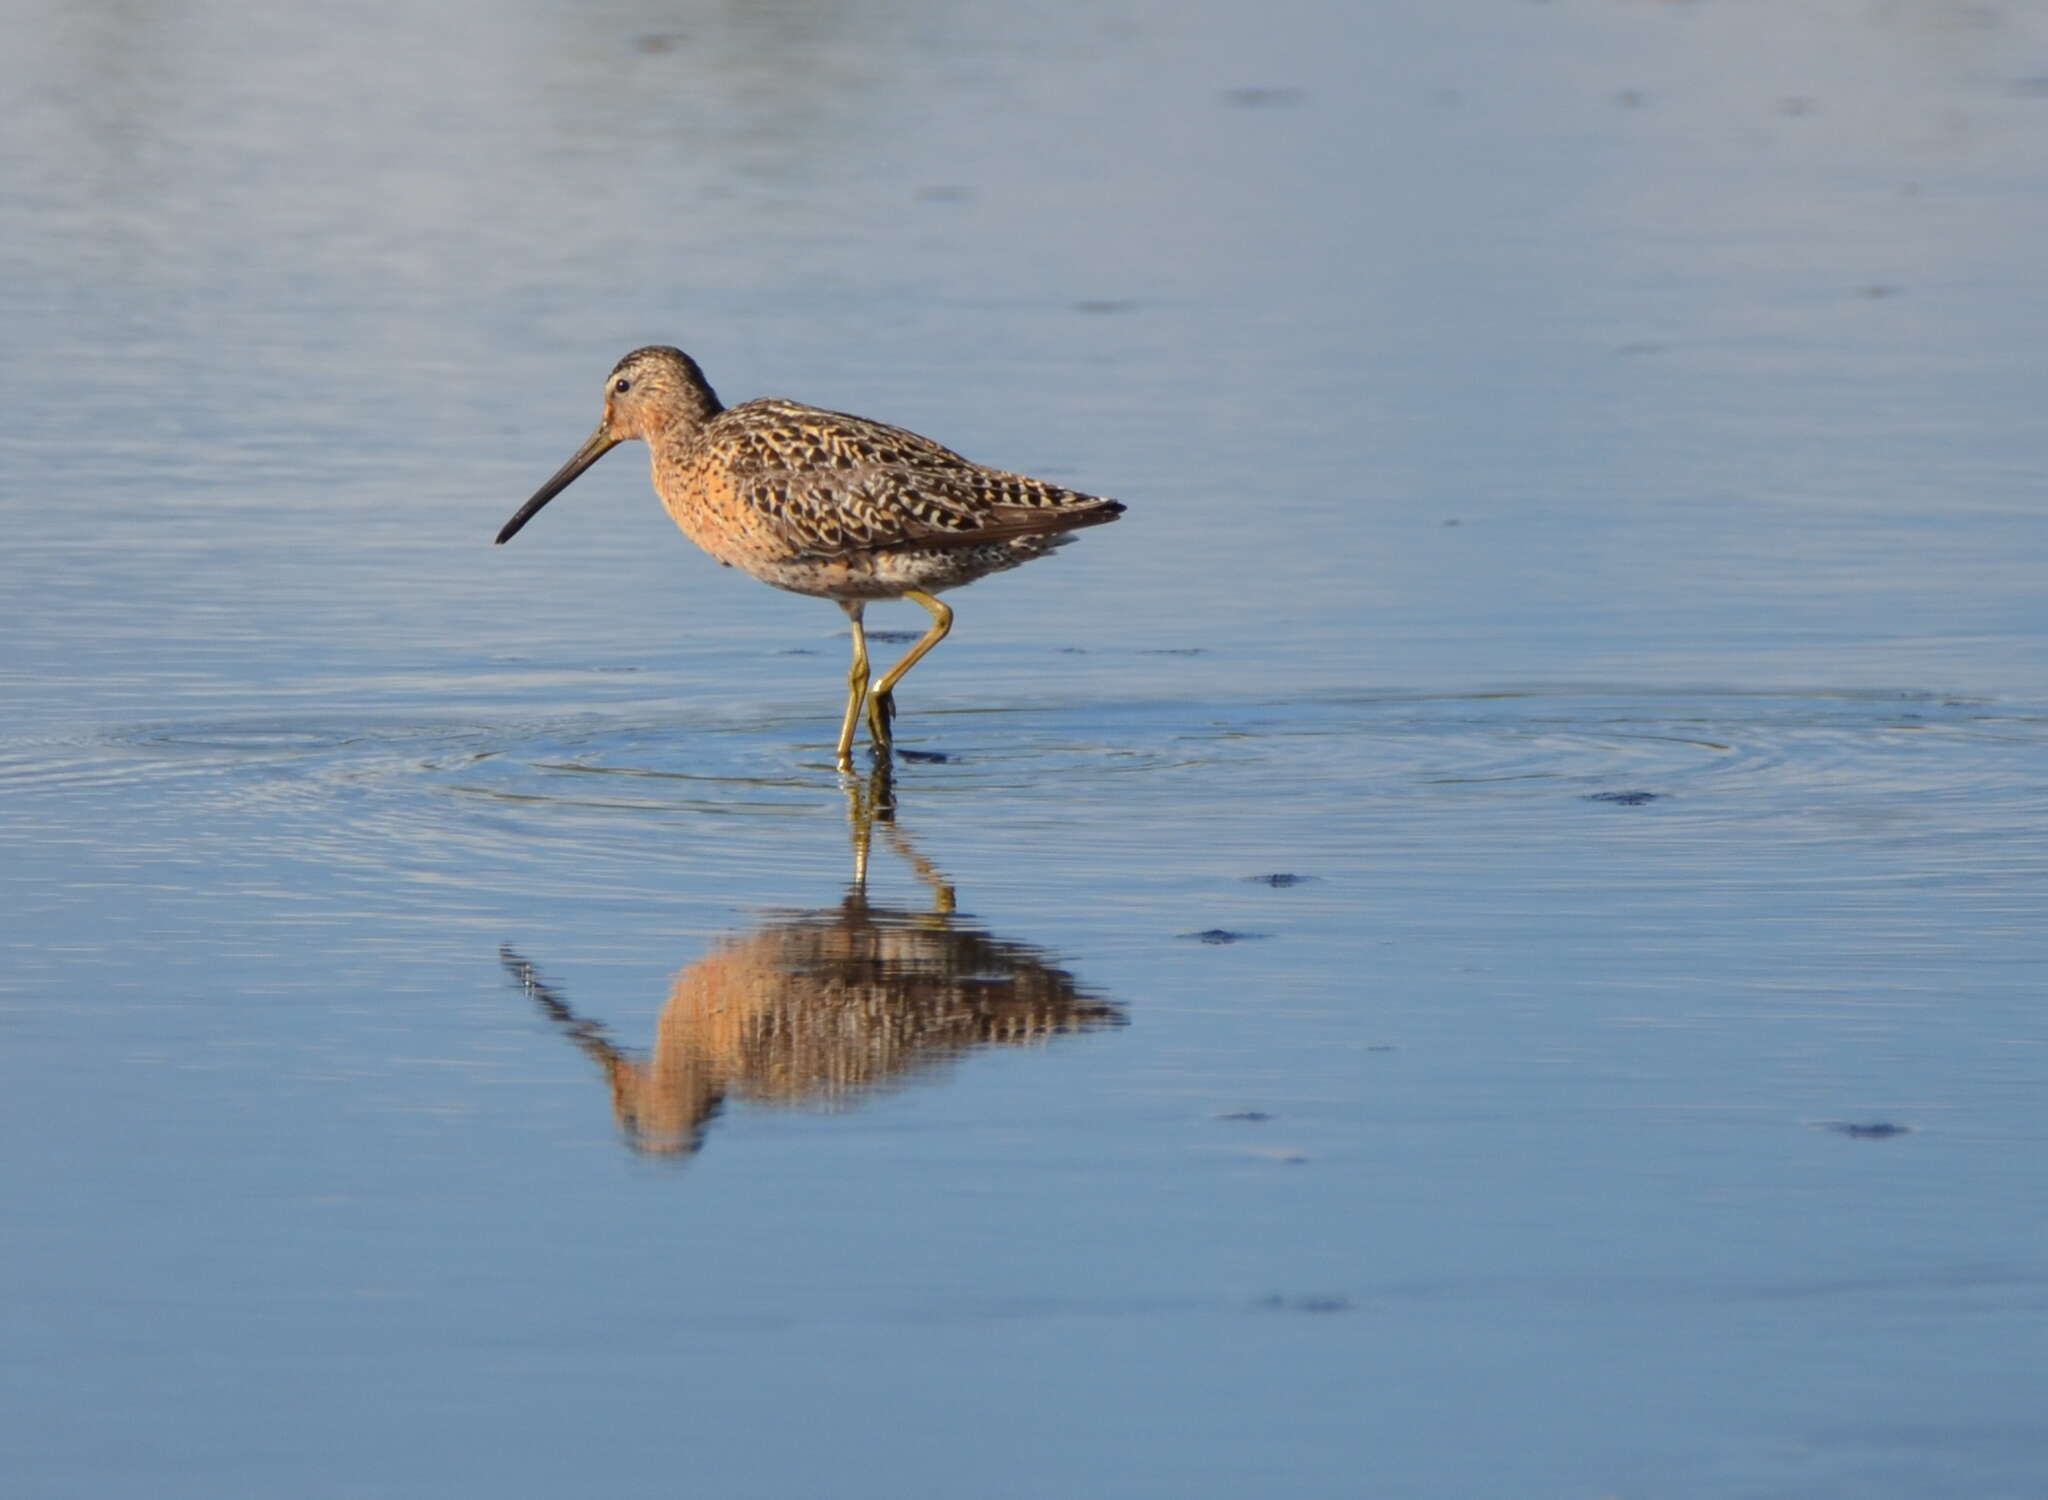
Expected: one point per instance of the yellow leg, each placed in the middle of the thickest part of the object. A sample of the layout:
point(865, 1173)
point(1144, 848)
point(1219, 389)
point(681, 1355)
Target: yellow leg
point(881, 702)
point(871, 801)
point(935, 882)
point(868, 803)
point(856, 684)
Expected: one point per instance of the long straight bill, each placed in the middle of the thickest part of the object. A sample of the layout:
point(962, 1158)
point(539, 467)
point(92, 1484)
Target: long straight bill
point(597, 447)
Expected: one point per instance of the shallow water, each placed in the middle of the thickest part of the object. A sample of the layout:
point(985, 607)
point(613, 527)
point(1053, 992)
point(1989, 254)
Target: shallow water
point(1484, 940)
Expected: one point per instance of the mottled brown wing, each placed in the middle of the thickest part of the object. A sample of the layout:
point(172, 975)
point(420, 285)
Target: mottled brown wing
point(996, 521)
point(772, 434)
point(837, 484)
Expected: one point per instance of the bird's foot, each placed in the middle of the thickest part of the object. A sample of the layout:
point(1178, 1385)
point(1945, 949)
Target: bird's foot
point(881, 714)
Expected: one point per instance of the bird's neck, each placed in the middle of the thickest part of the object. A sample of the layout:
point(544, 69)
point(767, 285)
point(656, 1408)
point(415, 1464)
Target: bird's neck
point(672, 442)
point(694, 405)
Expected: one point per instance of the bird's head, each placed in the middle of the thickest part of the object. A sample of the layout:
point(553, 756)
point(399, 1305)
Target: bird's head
point(649, 393)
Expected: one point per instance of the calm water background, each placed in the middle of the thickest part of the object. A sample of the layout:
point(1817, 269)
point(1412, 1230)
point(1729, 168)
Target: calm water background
point(1521, 406)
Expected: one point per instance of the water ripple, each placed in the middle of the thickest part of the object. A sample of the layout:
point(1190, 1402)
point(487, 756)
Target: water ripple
point(418, 797)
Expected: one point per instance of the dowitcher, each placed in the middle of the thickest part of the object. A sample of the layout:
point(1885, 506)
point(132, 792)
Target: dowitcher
point(825, 1006)
point(826, 504)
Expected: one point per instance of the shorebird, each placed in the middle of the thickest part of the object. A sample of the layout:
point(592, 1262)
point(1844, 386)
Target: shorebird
point(822, 1007)
point(822, 503)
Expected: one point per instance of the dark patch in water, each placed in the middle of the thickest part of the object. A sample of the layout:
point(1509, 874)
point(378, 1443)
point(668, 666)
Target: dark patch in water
point(255, 739)
point(1623, 799)
point(1875, 1130)
point(1221, 935)
point(924, 757)
point(1249, 1115)
point(1275, 1302)
point(1264, 98)
point(1279, 881)
point(1176, 651)
point(1102, 305)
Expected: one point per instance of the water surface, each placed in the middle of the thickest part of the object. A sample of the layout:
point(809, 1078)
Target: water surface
point(1484, 940)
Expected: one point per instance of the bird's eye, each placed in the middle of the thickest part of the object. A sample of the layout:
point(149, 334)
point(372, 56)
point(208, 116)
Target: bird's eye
point(622, 385)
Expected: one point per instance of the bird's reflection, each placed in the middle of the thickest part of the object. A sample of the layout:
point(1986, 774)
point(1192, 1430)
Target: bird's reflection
point(820, 1007)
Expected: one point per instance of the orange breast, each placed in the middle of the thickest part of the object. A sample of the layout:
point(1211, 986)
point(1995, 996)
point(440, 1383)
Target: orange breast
point(700, 497)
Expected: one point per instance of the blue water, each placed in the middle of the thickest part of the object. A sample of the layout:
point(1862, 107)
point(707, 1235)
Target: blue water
point(1484, 940)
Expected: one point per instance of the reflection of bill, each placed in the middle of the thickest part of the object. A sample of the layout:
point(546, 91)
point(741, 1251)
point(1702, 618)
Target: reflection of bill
point(819, 1007)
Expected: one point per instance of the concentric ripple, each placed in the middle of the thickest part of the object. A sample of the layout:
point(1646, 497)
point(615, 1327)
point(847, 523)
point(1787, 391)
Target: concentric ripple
point(620, 798)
